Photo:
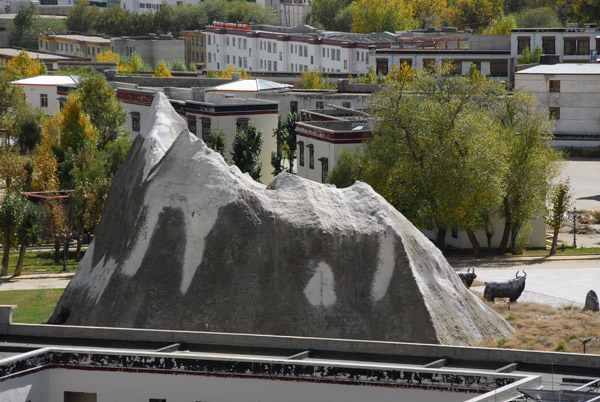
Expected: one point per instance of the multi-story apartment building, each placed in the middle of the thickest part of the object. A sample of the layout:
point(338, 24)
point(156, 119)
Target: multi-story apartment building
point(73, 45)
point(572, 44)
point(570, 94)
point(266, 48)
point(195, 47)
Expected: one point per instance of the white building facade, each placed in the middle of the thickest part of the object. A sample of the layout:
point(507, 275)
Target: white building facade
point(570, 94)
point(41, 91)
point(571, 44)
point(270, 50)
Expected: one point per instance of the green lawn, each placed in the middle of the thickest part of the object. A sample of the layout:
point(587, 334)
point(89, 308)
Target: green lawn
point(33, 306)
point(42, 262)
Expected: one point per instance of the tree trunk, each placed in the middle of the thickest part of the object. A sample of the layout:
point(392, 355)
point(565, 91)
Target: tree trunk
point(5, 256)
point(506, 233)
point(78, 250)
point(19, 267)
point(440, 239)
point(554, 241)
point(56, 251)
point(489, 236)
point(475, 244)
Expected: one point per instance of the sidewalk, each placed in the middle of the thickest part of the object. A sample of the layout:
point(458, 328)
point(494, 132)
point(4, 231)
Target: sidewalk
point(511, 261)
point(58, 280)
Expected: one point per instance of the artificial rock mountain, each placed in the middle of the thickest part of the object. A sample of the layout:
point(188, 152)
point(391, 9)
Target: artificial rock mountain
point(188, 242)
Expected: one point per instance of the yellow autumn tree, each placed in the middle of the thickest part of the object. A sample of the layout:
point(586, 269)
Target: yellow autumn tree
point(501, 25)
point(74, 124)
point(45, 164)
point(227, 72)
point(23, 66)
point(476, 14)
point(244, 75)
point(108, 56)
point(429, 13)
point(382, 15)
point(162, 70)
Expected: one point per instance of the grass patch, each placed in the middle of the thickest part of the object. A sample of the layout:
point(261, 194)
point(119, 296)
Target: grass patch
point(39, 262)
point(33, 306)
point(542, 327)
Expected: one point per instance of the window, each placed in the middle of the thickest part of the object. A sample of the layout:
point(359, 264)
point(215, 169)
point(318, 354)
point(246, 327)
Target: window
point(80, 397)
point(205, 129)
point(454, 233)
point(312, 59)
point(555, 113)
point(311, 156)
point(275, 47)
point(345, 63)
point(43, 100)
point(227, 59)
point(250, 52)
point(577, 46)
point(269, 47)
point(208, 40)
point(323, 52)
point(554, 86)
point(270, 65)
point(429, 64)
point(293, 106)
point(324, 169)
point(548, 46)
point(319, 104)
point(192, 125)
point(499, 68)
point(228, 41)
point(245, 43)
point(357, 56)
point(239, 43)
point(274, 66)
point(241, 124)
point(233, 42)
point(522, 44)
point(135, 121)
point(347, 105)
point(300, 153)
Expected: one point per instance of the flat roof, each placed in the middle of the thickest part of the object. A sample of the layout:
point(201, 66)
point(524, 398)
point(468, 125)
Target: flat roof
point(563, 68)
point(80, 38)
point(49, 80)
point(10, 52)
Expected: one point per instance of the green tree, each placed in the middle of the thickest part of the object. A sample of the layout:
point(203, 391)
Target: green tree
point(178, 65)
point(436, 156)
point(285, 135)
point(29, 131)
point(476, 14)
point(530, 165)
point(83, 17)
point(216, 141)
point(501, 25)
point(314, 80)
point(11, 214)
point(382, 15)
point(542, 17)
point(529, 57)
point(346, 170)
point(29, 231)
point(21, 27)
point(249, 13)
point(560, 198)
point(107, 114)
point(246, 148)
point(325, 14)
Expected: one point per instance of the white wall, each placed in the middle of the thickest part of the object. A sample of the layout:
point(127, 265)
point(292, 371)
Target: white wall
point(31, 387)
point(535, 39)
point(578, 99)
point(33, 93)
point(140, 387)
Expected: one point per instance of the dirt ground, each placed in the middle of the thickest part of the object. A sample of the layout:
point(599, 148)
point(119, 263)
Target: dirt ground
point(588, 230)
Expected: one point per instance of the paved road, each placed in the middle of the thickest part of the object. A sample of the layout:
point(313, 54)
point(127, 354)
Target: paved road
point(41, 281)
point(584, 177)
point(554, 281)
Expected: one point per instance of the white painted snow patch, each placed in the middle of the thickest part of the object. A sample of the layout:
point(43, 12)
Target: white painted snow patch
point(385, 267)
point(320, 290)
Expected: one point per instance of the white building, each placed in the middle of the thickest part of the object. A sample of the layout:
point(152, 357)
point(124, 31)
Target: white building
point(276, 49)
point(221, 111)
point(41, 91)
point(570, 93)
point(571, 44)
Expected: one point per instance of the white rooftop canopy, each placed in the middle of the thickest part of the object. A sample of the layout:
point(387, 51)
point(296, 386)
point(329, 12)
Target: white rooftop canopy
point(253, 85)
point(49, 80)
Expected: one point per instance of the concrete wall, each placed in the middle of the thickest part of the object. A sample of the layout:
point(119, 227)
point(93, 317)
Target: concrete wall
point(34, 387)
point(141, 387)
point(578, 100)
point(34, 92)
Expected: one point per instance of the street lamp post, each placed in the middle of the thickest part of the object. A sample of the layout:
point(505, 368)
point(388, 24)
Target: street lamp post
point(574, 227)
point(66, 250)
